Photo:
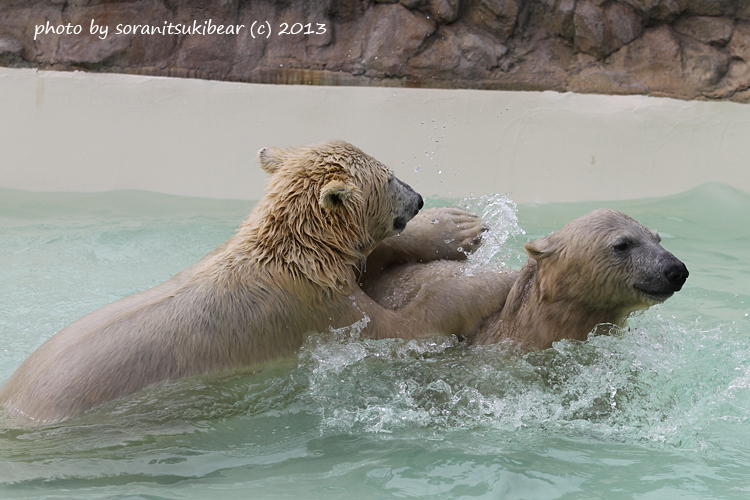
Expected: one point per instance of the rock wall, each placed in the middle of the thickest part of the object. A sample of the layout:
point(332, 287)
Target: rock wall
point(689, 49)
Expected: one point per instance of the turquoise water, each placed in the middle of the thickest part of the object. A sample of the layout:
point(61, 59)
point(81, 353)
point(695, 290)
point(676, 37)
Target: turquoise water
point(659, 411)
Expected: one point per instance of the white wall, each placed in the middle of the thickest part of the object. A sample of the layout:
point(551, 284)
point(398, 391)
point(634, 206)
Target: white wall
point(92, 132)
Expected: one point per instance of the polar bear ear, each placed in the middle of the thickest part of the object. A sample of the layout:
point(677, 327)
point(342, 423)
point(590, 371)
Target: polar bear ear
point(539, 249)
point(270, 159)
point(334, 194)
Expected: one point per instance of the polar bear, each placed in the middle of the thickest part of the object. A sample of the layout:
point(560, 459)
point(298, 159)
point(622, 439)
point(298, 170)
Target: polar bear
point(592, 273)
point(290, 269)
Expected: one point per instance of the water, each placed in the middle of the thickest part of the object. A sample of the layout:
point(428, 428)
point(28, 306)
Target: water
point(658, 411)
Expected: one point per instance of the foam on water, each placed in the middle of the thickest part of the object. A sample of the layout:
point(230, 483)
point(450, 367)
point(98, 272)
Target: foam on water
point(501, 214)
point(656, 410)
point(656, 383)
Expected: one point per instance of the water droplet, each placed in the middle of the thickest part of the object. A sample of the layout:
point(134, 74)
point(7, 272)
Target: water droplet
point(460, 249)
point(416, 169)
point(440, 171)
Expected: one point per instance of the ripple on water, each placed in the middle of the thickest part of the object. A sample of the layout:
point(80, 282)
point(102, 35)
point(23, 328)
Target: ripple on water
point(664, 403)
point(656, 383)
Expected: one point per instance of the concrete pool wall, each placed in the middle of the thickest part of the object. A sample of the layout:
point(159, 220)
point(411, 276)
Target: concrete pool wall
point(63, 131)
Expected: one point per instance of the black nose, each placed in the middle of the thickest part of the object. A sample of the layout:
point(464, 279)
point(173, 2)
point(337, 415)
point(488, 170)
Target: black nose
point(676, 274)
point(420, 203)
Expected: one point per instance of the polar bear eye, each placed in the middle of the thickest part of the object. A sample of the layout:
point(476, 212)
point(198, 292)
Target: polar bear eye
point(621, 245)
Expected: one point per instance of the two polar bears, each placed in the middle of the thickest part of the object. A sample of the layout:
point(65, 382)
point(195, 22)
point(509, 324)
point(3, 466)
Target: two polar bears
point(292, 268)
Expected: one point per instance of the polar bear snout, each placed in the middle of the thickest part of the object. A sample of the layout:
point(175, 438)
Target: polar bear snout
point(668, 274)
point(676, 274)
point(413, 199)
point(672, 274)
point(409, 202)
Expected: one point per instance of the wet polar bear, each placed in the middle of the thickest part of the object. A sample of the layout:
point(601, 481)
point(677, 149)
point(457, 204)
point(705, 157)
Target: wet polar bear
point(290, 269)
point(594, 272)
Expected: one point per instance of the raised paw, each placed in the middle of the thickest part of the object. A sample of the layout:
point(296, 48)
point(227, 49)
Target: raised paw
point(443, 233)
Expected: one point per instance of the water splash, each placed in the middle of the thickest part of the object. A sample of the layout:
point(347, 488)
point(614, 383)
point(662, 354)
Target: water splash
point(667, 398)
point(360, 384)
point(501, 215)
point(657, 383)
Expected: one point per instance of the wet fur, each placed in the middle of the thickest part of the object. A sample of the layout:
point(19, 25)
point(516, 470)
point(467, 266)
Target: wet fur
point(573, 281)
point(289, 270)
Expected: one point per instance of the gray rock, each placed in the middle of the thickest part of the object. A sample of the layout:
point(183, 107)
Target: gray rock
point(394, 34)
point(709, 30)
point(601, 30)
point(689, 49)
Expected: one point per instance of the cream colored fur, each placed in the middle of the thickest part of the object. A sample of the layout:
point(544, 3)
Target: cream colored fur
point(291, 268)
point(575, 280)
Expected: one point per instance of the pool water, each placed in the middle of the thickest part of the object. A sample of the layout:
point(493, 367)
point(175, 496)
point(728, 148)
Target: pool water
point(658, 411)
